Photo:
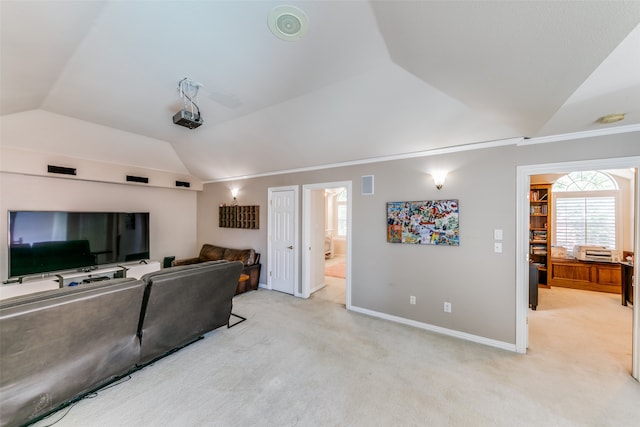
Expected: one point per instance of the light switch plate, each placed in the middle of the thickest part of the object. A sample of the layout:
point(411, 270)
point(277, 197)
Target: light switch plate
point(497, 248)
point(497, 234)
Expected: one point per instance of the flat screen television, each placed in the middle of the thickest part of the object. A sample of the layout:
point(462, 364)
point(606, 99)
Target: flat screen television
point(46, 241)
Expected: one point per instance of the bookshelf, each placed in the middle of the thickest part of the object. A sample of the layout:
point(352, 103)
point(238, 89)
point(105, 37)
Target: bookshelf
point(540, 229)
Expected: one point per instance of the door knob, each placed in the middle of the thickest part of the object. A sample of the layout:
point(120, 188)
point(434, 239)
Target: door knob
point(289, 247)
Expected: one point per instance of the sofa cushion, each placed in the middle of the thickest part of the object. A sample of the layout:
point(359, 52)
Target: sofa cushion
point(211, 253)
point(216, 253)
point(182, 303)
point(57, 345)
point(246, 256)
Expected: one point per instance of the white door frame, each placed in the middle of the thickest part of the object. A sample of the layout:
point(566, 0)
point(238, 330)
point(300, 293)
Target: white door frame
point(306, 233)
point(296, 227)
point(522, 239)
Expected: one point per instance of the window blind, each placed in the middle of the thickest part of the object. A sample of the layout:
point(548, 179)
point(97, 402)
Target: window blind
point(585, 221)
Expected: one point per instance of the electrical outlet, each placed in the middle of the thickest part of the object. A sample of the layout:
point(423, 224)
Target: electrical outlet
point(412, 299)
point(447, 307)
point(497, 247)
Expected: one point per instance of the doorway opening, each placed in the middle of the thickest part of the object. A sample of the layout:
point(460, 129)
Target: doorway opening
point(524, 175)
point(577, 303)
point(326, 235)
point(332, 286)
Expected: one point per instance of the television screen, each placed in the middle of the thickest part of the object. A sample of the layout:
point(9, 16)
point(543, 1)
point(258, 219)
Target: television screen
point(44, 241)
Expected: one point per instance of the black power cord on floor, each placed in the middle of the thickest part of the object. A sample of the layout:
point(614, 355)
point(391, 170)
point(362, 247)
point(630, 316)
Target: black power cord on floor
point(89, 395)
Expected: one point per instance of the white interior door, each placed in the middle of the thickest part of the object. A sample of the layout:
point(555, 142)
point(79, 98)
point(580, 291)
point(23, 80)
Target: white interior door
point(283, 237)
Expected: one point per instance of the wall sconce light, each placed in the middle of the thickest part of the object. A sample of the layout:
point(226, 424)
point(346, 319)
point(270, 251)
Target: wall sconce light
point(438, 178)
point(234, 194)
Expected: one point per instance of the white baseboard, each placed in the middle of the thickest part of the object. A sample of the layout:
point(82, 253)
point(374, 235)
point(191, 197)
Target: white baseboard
point(438, 329)
point(317, 288)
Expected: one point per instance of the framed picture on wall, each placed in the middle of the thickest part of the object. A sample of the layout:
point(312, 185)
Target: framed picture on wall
point(429, 222)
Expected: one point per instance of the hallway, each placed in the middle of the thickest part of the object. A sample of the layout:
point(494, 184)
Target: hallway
point(335, 287)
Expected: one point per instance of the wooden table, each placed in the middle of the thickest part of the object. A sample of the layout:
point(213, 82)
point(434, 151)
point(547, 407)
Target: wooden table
point(242, 284)
point(242, 287)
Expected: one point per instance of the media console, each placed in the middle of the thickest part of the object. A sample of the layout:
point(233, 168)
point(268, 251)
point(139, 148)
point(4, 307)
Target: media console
point(77, 278)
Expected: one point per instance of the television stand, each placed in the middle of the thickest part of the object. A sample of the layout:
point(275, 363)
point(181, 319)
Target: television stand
point(52, 281)
point(96, 279)
point(79, 277)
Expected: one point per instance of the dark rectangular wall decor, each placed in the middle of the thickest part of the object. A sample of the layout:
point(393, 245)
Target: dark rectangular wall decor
point(239, 217)
point(183, 184)
point(61, 170)
point(141, 179)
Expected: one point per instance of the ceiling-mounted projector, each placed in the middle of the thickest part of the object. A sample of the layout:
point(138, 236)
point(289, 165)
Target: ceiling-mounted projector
point(187, 119)
point(189, 116)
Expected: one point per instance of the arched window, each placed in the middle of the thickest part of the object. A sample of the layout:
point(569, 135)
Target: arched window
point(585, 210)
point(585, 181)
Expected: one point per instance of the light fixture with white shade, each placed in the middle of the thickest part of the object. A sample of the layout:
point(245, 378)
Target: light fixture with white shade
point(438, 178)
point(611, 118)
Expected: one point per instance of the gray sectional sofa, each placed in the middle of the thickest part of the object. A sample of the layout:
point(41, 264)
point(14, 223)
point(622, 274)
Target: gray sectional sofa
point(56, 346)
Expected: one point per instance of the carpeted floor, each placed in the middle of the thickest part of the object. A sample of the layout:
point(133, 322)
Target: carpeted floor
point(310, 362)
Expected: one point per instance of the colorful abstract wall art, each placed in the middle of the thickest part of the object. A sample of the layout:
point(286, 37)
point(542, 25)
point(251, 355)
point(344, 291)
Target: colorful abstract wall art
point(430, 222)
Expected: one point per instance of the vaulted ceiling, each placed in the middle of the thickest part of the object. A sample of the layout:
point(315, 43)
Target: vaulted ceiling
point(369, 79)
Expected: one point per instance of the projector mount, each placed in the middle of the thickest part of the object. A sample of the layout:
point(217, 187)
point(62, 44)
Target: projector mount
point(189, 116)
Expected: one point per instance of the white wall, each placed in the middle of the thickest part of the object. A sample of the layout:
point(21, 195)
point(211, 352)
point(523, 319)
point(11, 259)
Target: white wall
point(172, 211)
point(339, 243)
point(42, 132)
point(103, 158)
point(340, 246)
point(480, 284)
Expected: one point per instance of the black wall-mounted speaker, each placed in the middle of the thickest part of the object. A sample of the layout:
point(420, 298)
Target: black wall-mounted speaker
point(183, 184)
point(61, 169)
point(367, 185)
point(141, 179)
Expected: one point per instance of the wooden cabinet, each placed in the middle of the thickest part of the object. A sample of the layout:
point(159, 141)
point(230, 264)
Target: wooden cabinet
point(540, 229)
point(586, 275)
point(239, 217)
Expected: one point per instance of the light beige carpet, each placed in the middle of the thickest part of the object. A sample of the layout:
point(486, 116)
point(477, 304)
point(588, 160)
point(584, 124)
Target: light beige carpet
point(310, 362)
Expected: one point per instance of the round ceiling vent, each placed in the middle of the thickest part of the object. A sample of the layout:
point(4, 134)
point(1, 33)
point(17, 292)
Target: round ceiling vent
point(288, 23)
